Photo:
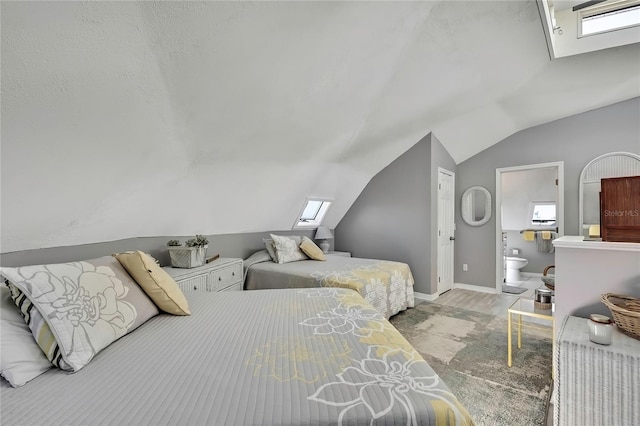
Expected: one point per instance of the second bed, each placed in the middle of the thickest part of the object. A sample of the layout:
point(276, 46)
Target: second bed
point(386, 285)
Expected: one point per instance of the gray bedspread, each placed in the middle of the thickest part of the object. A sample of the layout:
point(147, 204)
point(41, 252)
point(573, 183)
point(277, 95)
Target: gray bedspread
point(276, 357)
point(386, 285)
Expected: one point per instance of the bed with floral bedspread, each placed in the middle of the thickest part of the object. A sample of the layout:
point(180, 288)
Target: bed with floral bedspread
point(386, 285)
point(313, 356)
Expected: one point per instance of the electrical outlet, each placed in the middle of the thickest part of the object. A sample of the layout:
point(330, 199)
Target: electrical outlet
point(465, 267)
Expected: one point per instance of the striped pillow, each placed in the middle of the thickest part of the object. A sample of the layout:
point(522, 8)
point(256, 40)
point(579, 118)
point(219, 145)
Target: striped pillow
point(39, 328)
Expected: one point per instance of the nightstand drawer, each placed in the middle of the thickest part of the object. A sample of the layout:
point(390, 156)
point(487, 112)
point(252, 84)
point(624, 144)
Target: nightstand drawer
point(235, 287)
point(226, 276)
point(197, 283)
point(218, 275)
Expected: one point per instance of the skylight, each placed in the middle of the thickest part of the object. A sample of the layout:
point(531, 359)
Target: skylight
point(573, 27)
point(312, 213)
point(610, 19)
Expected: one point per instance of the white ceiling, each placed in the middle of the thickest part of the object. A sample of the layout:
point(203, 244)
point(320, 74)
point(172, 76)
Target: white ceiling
point(124, 119)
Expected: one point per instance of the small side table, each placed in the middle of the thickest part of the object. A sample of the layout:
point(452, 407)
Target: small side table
point(223, 274)
point(525, 307)
point(596, 384)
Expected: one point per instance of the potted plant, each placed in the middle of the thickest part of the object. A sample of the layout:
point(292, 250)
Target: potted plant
point(191, 255)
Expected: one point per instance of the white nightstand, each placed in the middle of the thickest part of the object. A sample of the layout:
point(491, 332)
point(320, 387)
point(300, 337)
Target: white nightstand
point(223, 274)
point(338, 253)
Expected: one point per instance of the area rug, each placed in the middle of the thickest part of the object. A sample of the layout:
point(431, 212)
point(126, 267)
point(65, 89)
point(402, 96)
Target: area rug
point(469, 352)
point(512, 289)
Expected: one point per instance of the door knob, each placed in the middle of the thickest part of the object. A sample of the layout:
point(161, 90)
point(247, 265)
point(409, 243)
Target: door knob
point(452, 238)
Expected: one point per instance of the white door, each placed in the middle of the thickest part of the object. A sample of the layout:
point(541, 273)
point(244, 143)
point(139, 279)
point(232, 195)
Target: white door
point(446, 229)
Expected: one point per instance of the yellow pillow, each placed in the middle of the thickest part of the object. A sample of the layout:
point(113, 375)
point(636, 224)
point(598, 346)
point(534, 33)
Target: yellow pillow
point(159, 286)
point(311, 249)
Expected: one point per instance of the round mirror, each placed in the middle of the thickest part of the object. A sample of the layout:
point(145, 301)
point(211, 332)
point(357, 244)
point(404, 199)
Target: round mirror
point(476, 206)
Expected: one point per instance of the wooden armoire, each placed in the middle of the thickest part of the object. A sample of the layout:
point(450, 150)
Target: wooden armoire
point(620, 209)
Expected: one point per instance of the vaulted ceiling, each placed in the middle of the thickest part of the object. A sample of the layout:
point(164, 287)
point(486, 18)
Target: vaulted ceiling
point(125, 119)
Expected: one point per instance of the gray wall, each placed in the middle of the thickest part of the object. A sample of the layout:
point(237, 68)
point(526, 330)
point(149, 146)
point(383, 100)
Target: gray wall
point(230, 245)
point(576, 140)
point(392, 217)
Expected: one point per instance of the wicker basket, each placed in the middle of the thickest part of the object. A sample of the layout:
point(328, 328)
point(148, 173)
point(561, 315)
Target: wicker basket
point(625, 311)
point(542, 306)
point(187, 257)
point(549, 282)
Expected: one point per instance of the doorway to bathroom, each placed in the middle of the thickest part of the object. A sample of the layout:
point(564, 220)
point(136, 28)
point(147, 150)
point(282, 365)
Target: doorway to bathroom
point(529, 215)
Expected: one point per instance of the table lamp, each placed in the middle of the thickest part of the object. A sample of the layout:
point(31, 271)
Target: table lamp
point(323, 233)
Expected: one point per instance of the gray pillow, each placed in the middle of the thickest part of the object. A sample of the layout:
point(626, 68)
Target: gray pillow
point(271, 249)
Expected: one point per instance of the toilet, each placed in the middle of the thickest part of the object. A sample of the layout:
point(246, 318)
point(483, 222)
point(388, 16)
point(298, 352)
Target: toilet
point(514, 264)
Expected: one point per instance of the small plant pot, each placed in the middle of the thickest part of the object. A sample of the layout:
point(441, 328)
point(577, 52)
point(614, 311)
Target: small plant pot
point(187, 257)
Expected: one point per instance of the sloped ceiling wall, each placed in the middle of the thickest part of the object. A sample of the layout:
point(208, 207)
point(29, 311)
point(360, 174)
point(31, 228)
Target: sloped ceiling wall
point(124, 119)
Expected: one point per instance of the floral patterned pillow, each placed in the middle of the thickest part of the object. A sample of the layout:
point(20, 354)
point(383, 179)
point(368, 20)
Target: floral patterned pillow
point(288, 248)
point(87, 305)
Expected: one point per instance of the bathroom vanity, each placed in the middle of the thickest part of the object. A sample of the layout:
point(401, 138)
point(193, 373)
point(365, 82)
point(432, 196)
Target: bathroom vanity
point(586, 269)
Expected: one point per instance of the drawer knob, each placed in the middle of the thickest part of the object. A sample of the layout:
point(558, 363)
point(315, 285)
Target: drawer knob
point(219, 278)
point(233, 274)
point(195, 288)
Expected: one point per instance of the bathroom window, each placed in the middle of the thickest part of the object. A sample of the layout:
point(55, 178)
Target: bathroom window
point(543, 213)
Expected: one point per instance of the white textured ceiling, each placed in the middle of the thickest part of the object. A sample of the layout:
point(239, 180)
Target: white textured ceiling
point(125, 119)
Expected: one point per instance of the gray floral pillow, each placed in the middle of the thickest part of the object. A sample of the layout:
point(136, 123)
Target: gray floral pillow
point(87, 305)
point(288, 248)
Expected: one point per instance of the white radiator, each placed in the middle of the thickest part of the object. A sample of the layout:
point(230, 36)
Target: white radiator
point(595, 385)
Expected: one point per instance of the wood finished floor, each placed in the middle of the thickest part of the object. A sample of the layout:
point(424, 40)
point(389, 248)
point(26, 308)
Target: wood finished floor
point(488, 303)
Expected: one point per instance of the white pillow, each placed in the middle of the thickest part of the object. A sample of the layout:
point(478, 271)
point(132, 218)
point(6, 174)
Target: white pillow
point(288, 248)
point(21, 359)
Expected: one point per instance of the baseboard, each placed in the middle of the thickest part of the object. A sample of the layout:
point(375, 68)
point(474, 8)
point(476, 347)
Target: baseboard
point(424, 296)
point(432, 297)
point(475, 288)
point(530, 274)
